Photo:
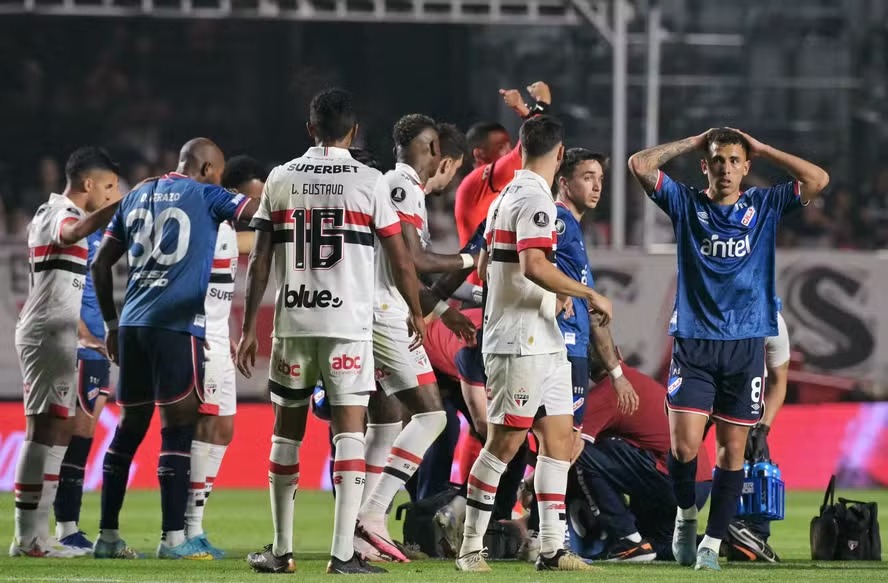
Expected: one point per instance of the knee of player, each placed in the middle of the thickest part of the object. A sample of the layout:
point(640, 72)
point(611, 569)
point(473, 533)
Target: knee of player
point(685, 452)
point(433, 422)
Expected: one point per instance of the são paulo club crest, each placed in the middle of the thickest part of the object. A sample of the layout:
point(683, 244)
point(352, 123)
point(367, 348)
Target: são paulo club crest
point(521, 396)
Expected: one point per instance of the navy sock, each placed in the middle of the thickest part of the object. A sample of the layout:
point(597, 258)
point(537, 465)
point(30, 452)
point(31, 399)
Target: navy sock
point(173, 473)
point(684, 480)
point(726, 487)
point(115, 474)
point(70, 492)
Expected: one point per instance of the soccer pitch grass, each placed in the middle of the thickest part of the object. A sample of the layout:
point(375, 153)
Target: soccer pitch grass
point(239, 522)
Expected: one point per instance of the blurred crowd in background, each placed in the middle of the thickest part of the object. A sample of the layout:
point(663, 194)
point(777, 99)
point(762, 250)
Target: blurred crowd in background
point(142, 87)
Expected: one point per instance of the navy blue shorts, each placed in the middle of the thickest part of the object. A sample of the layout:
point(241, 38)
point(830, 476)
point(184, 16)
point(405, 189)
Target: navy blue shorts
point(579, 372)
point(721, 378)
point(93, 378)
point(158, 366)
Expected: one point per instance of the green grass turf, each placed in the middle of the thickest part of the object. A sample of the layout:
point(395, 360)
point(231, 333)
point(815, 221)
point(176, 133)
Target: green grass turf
point(239, 521)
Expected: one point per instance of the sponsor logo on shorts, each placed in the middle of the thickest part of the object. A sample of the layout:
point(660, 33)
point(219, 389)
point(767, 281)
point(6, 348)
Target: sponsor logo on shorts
point(92, 393)
point(287, 369)
point(521, 397)
point(345, 363)
point(579, 403)
point(305, 298)
point(673, 385)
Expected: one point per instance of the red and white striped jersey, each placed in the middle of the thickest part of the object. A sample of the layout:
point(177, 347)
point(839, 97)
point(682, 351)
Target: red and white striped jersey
point(57, 276)
point(220, 291)
point(408, 199)
point(519, 317)
point(325, 210)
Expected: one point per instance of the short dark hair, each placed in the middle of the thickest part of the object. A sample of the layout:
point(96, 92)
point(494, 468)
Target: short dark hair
point(573, 158)
point(365, 157)
point(87, 158)
point(408, 127)
point(479, 133)
point(540, 135)
point(241, 169)
point(453, 142)
point(332, 113)
point(725, 136)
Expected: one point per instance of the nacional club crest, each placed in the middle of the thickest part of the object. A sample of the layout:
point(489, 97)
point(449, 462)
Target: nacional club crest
point(521, 397)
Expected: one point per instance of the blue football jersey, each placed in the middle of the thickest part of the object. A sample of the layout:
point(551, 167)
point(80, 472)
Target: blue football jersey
point(571, 259)
point(89, 305)
point(169, 228)
point(726, 284)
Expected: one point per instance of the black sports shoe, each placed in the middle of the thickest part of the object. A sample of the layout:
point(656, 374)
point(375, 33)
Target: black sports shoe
point(355, 566)
point(628, 551)
point(267, 562)
point(563, 560)
point(745, 545)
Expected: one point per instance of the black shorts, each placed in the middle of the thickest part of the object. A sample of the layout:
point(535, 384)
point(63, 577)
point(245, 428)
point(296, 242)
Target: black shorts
point(579, 372)
point(158, 366)
point(721, 378)
point(93, 376)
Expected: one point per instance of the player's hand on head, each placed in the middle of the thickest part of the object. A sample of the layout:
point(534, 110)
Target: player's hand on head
point(416, 329)
point(513, 99)
point(540, 92)
point(246, 354)
point(627, 398)
point(460, 325)
point(111, 346)
point(702, 138)
point(755, 147)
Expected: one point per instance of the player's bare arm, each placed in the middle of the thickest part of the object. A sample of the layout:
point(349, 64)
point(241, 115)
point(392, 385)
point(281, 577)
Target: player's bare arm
point(603, 344)
point(645, 165)
point(539, 91)
point(247, 212)
point(108, 254)
point(483, 258)
point(538, 269)
point(404, 274)
point(447, 284)
point(74, 231)
point(455, 320)
point(258, 271)
point(813, 178)
point(428, 262)
point(87, 340)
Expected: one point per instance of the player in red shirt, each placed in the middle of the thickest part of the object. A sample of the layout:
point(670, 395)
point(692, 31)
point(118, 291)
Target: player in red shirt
point(484, 183)
point(626, 455)
point(488, 141)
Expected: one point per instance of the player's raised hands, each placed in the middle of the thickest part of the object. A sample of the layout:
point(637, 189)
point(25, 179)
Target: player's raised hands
point(701, 140)
point(246, 353)
point(416, 330)
point(540, 92)
point(627, 398)
point(755, 147)
point(513, 99)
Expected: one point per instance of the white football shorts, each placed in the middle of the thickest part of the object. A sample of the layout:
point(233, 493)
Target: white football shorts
point(220, 391)
point(49, 375)
point(397, 367)
point(517, 386)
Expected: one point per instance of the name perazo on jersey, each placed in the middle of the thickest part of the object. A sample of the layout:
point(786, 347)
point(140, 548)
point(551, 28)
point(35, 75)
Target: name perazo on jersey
point(408, 199)
point(169, 229)
point(519, 316)
point(325, 210)
point(220, 292)
point(726, 283)
point(57, 274)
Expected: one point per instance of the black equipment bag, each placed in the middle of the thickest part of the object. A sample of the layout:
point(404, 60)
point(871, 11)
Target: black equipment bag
point(420, 527)
point(847, 531)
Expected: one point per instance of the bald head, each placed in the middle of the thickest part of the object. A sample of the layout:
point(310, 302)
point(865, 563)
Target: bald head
point(202, 160)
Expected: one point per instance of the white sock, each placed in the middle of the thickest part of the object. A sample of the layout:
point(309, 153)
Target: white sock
point(196, 498)
point(29, 489)
point(550, 483)
point(483, 481)
point(713, 544)
point(64, 529)
point(633, 538)
point(283, 480)
point(378, 443)
point(173, 538)
point(109, 535)
point(214, 462)
point(51, 468)
point(406, 455)
point(687, 513)
point(349, 474)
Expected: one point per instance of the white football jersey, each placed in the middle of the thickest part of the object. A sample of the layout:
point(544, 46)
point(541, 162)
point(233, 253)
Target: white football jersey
point(519, 316)
point(220, 292)
point(408, 199)
point(325, 211)
point(52, 310)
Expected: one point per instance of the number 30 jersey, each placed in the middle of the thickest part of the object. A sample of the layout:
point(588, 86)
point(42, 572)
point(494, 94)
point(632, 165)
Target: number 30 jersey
point(169, 228)
point(324, 210)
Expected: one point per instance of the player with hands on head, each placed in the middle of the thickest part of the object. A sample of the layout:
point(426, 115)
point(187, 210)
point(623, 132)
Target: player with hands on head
point(724, 309)
point(320, 217)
